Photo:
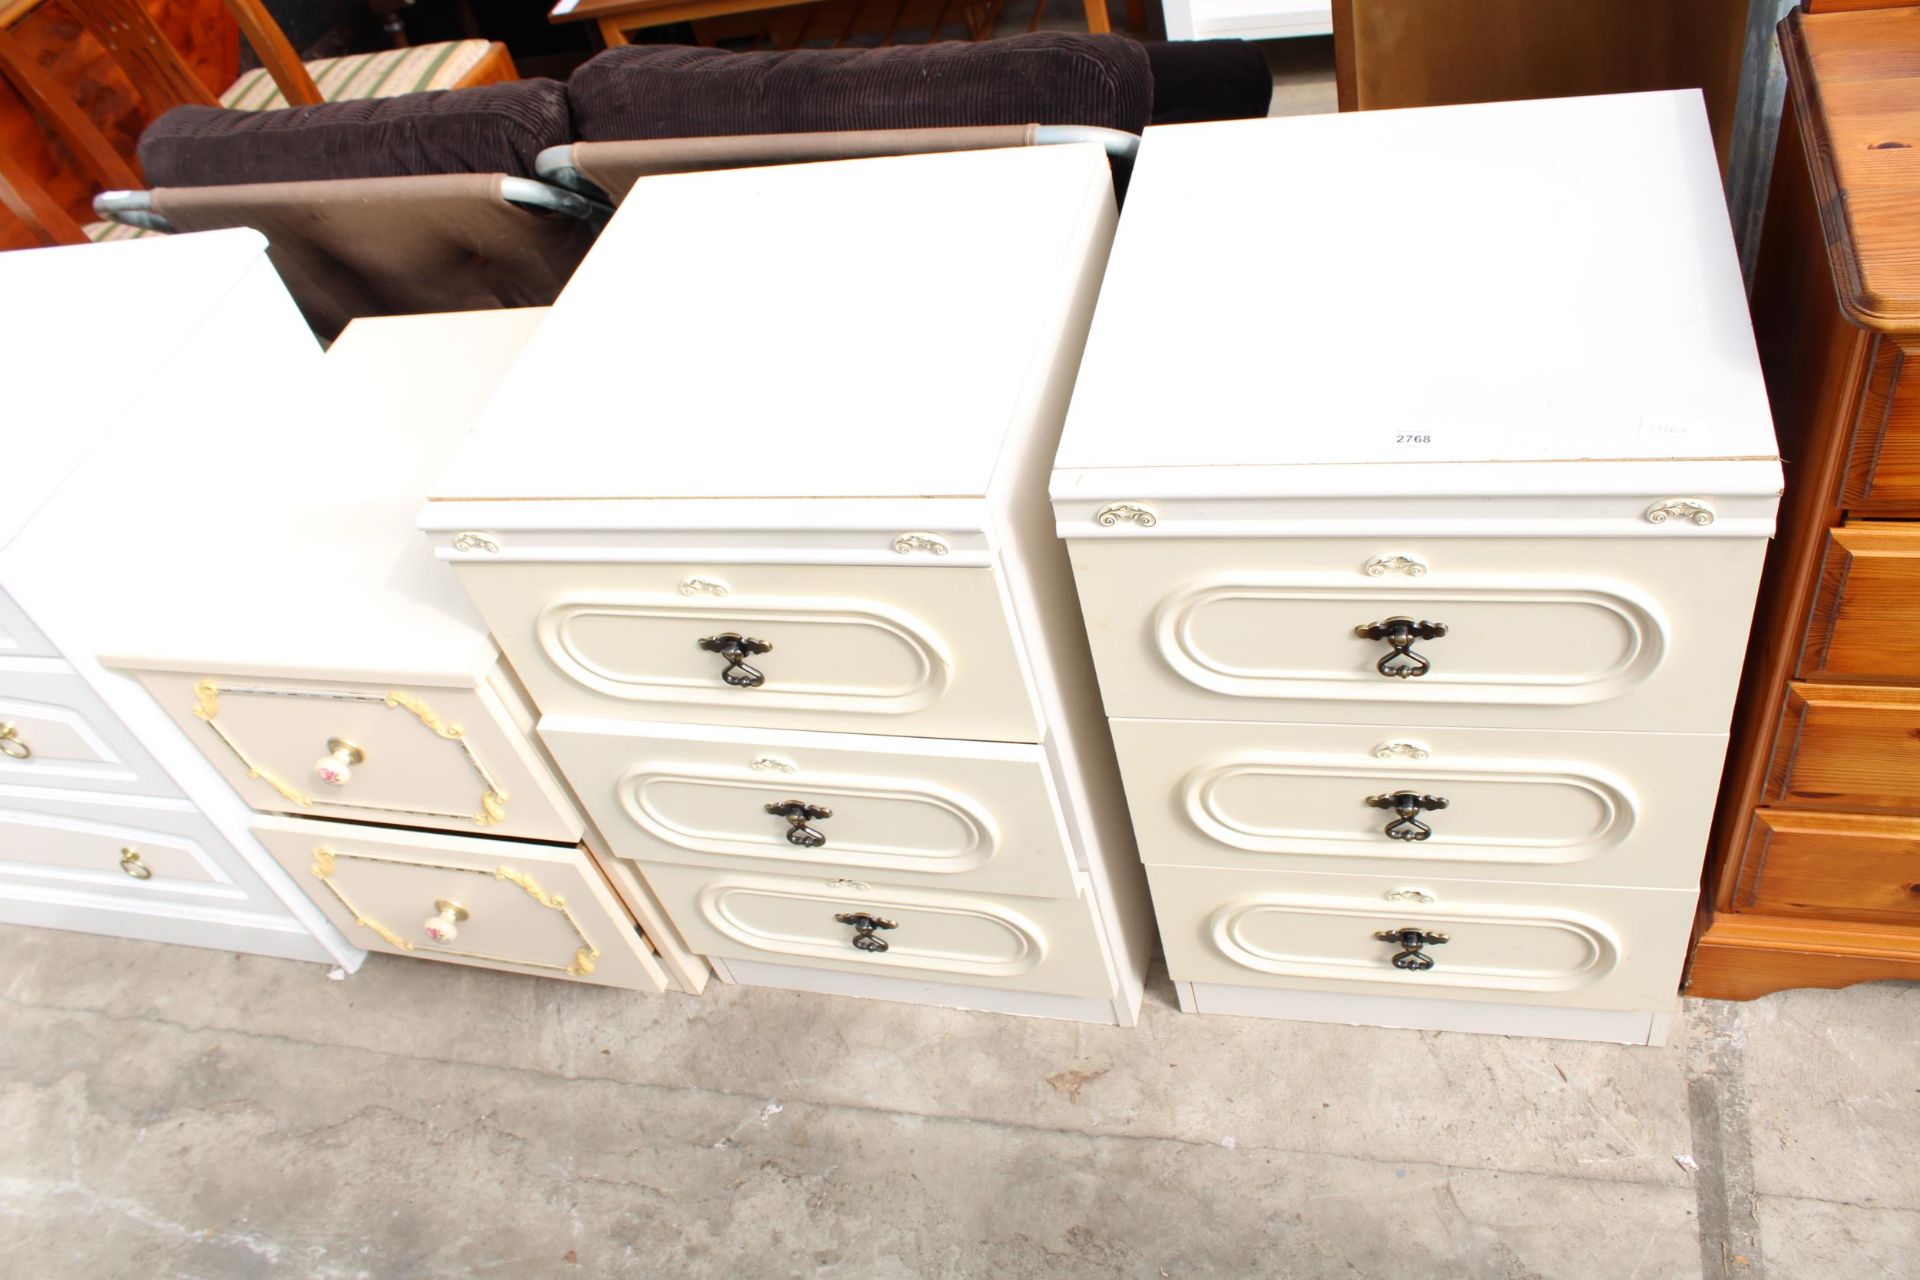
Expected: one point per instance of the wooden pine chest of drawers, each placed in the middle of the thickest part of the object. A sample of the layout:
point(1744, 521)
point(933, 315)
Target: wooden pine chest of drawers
point(1420, 649)
point(783, 584)
point(1814, 869)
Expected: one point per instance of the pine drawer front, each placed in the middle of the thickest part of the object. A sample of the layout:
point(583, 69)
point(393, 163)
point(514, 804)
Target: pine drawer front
point(19, 638)
point(123, 847)
point(1865, 623)
point(56, 732)
point(543, 910)
point(1581, 808)
point(1021, 944)
point(922, 812)
point(1847, 747)
point(1571, 946)
point(456, 759)
point(923, 652)
point(1581, 633)
point(1832, 866)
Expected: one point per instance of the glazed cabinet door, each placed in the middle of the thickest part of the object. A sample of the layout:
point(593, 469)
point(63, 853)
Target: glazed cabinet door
point(1636, 634)
point(924, 652)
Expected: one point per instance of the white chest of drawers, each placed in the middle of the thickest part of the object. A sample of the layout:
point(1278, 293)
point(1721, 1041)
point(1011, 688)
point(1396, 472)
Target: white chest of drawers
point(109, 821)
point(771, 549)
point(1418, 558)
point(263, 581)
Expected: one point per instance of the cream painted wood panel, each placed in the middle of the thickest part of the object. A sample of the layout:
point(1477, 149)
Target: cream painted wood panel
point(1568, 633)
point(926, 652)
point(1021, 944)
point(122, 846)
point(543, 910)
point(1582, 808)
point(455, 759)
point(19, 638)
point(1563, 945)
point(55, 732)
point(923, 812)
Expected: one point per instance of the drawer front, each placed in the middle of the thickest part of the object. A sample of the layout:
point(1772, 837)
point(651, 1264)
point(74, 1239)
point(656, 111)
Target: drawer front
point(454, 759)
point(123, 847)
point(924, 652)
point(1022, 944)
point(19, 638)
point(56, 732)
point(1584, 633)
point(543, 910)
point(1883, 468)
point(1582, 808)
point(1575, 946)
point(1847, 747)
point(914, 811)
point(1832, 866)
point(1865, 623)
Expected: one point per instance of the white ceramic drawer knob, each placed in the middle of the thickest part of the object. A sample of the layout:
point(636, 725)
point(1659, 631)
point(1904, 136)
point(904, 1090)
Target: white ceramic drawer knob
point(445, 927)
point(336, 767)
point(10, 744)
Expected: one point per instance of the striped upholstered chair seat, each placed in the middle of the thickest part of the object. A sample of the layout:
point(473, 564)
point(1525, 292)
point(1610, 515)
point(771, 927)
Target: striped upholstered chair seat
point(385, 74)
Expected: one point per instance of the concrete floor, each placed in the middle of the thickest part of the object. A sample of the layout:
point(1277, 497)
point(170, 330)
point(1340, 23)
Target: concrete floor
point(166, 1111)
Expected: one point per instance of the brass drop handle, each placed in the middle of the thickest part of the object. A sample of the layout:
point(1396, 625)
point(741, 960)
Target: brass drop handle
point(131, 864)
point(445, 927)
point(736, 649)
point(336, 767)
point(1400, 661)
point(1406, 805)
point(864, 926)
point(10, 744)
point(1412, 955)
point(798, 814)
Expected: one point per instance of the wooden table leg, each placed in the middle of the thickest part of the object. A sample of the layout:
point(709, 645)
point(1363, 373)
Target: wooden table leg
point(610, 33)
point(1097, 23)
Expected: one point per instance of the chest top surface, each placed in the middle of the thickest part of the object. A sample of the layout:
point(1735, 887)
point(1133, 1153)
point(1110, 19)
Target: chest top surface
point(1542, 282)
point(83, 329)
point(863, 328)
point(287, 544)
point(1857, 79)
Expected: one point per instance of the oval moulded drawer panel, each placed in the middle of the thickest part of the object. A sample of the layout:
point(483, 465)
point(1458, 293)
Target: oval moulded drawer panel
point(123, 846)
point(455, 759)
point(56, 732)
point(19, 638)
point(1865, 622)
point(1847, 747)
point(1586, 808)
point(1832, 866)
point(1638, 634)
point(1575, 946)
point(1022, 944)
point(925, 652)
point(543, 910)
point(915, 811)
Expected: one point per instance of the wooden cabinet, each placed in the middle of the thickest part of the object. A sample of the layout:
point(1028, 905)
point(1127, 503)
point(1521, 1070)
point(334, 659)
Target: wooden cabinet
point(1814, 853)
point(1446, 652)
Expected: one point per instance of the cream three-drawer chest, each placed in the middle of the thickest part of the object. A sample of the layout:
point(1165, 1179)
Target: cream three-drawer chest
point(771, 549)
point(1417, 481)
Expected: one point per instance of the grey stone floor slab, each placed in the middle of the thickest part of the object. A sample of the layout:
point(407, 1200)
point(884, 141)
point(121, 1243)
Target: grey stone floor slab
point(166, 1111)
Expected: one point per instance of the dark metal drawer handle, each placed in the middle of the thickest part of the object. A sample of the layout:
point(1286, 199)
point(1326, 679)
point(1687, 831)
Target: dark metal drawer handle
point(1412, 955)
point(864, 926)
point(736, 649)
point(1406, 806)
point(1401, 662)
point(798, 814)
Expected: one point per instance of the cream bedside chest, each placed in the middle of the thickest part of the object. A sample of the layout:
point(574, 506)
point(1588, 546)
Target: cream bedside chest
point(1418, 557)
point(263, 580)
point(772, 552)
point(109, 821)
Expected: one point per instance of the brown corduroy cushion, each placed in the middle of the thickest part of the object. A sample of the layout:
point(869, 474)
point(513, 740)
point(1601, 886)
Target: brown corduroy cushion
point(642, 91)
point(495, 128)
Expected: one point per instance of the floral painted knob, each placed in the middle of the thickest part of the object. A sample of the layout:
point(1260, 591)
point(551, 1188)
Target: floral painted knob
point(336, 767)
point(445, 927)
